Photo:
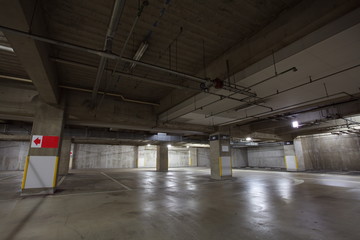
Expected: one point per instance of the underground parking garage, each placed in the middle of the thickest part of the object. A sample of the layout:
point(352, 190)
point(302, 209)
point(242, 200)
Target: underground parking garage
point(175, 119)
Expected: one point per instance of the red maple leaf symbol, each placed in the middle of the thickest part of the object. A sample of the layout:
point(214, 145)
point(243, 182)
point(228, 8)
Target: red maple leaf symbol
point(37, 141)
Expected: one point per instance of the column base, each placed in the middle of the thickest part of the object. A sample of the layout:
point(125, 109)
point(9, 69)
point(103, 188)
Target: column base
point(37, 191)
point(221, 178)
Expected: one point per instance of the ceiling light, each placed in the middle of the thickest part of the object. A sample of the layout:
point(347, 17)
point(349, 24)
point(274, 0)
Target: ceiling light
point(148, 145)
point(6, 48)
point(139, 53)
point(248, 139)
point(169, 145)
point(295, 124)
point(187, 146)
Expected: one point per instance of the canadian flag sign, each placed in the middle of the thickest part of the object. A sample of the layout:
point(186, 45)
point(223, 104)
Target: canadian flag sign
point(39, 141)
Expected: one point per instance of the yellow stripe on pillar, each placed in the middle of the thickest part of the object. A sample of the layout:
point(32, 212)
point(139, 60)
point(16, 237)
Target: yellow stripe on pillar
point(220, 166)
point(55, 171)
point(285, 162)
point(25, 172)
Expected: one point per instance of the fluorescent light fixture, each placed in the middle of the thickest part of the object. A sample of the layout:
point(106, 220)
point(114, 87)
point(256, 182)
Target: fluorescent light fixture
point(6, 48)
point(248, 139)
point(169, 145)
point(139, 53)
point(295, 124)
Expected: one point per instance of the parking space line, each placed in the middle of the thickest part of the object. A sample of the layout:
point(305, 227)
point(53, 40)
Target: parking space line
point(10, 177)
point(116, 181)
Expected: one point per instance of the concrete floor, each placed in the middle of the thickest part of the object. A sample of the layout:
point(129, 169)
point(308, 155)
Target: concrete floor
point(184, 204)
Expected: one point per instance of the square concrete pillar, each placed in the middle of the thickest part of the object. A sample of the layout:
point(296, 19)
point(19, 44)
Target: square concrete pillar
point(42, 164)
point(290, 159)
point(299, 153)
point(136, 156)
point(162, 158)
point(64, 156)
point(220, 156)
point(193, 162)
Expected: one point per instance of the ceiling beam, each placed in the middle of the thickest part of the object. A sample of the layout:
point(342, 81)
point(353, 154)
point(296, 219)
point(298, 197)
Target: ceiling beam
point(310, 21)
point(34, 56)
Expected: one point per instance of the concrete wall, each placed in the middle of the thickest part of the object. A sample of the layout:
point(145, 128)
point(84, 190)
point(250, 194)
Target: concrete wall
point(329, 152)
point(299, 154)
point(103, 156)
point(179, 157)
point(239, 157)
point(203, 157)
point(147, 156)
point(13, 155)
point(117, 156)
point(269, 156)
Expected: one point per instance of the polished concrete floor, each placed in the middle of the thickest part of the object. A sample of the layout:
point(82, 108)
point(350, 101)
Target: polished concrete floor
point(184, 204)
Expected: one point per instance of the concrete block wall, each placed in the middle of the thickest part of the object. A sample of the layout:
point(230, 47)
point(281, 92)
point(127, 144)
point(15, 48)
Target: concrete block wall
point(203, 157)
point(147, 156)
point(117, 156)
point(269, 156)
point(103, 156)
point(13, 155)
point(329, 152)
point(239, 157)
point(179, 157)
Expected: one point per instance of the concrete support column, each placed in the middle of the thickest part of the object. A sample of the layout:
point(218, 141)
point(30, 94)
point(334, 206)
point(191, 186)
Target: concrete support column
point(290, 159)
point(299, 153)
point(193, 162)
point(136, 156)
point(220, 156)
point(162, 163)
point(41, 167)
point(64, 156)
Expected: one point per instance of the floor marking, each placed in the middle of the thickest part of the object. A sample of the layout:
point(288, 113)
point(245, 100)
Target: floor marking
point(9, 177)
point(116, 181)
point(333, 180)
point(85, 193)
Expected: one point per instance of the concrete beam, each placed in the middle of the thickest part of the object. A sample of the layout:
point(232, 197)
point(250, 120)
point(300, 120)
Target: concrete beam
point(329, 112)
point(292, 25)
point(34, 56)
point(20, 104)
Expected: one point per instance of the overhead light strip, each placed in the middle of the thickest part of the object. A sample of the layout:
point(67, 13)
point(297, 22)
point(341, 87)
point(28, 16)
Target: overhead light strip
point(6, 48)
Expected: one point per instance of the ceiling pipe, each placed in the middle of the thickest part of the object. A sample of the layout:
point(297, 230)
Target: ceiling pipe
point(262, 99)
point(117, 73)
point(153, 81)
point(110, 34)
point(140, 10)
point(83, 90)
point(259, 115)
point(100, 53)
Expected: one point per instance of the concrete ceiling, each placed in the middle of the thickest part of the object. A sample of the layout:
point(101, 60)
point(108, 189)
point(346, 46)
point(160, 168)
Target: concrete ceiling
point(252, 46)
